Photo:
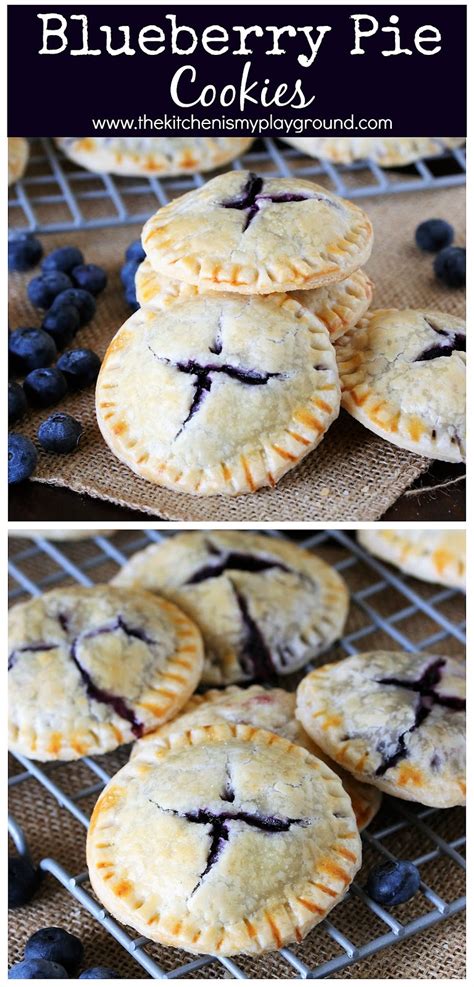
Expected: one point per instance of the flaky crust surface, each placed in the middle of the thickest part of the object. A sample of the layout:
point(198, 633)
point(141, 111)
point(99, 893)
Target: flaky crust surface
point(394, 720)
point(266, 709)
point(219, 394)
point(394, 384)
point(225, 840)
point(385, 151)
point(59, 534)
point(254, 623)
point(339, 306)
point(152, 155)
point(18, 154)
point(272, 245)
point(436, 556)
point(90, 669)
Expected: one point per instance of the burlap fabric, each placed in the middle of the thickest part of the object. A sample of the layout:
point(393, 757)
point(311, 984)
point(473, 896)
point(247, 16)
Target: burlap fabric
point(353, 475)
point(437, 953)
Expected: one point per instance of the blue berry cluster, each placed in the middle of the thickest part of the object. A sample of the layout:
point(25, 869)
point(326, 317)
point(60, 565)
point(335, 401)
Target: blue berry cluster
point(436, 236)
point(134, 255)
point(54, 954)
point(67, 290)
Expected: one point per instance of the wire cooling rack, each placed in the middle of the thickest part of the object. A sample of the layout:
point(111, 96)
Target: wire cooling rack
point(387, 610)
point(55, 195)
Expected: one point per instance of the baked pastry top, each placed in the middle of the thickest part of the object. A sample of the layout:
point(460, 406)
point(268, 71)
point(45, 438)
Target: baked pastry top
point(218, 394)
point(18, 154)
point(394, 720)
point(224, 839)
point(245, 233)
point(90, 669)
point(267, 709)
point(152, 155)
point(385, 151)
point(403, 375)
point(264, 606)
point(437, 556)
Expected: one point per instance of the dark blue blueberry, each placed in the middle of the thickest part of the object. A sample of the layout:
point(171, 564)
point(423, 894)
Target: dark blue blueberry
point(62, 323)
point(57, 946)
point(45, 387)
point(37, 970)
point(99, 973)
point(90, 277)
point(23, 880)
point(393, 882)
point(131, 297)
point(30, 348)
point(44, 289)
point(128, 272)
point(22, 458)
point(450, 266)
point(80, 367)
point(60, 433)
point(433, 235)
point(63, 259)
point(24, 252)
point(82, 300)
point(16, 402)
point(135, 252)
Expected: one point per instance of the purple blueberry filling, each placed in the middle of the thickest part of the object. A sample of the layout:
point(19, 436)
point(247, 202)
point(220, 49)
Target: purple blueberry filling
point(239, 561)
point(255, 657)
point(427, 698)
point(102, 696)
point(252, 198)
point(451, 342)
point(36, 646)
point(204, 379)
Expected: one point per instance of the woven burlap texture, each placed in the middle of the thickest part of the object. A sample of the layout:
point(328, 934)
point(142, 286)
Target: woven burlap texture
point(352, 476)
point(437, 953)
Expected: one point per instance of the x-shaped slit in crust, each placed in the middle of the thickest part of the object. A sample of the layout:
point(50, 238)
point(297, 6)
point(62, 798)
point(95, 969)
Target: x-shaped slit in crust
point(252, 198)
point(220, 822)
point(428, 697)
point(449, 343)
point(117, 703)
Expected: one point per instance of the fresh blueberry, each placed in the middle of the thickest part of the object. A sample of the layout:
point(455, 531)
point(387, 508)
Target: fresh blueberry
point(16, 402)
point(37, 970)
point(82, 300)
point(57, 946)
point(24, 252)
point(99, 973)
point(43, 290)
point(62, 323)
point(23, 880)
point(30, 349)
point(63, 259)
point(450, 266)
point(45, 387)
point(433, 235)
point(90, 277)
point(128, 272)
point(22, 458)
point(80, 367)
point(60, 433)
point(131, 297)
point(135, 252)
point(393, 882)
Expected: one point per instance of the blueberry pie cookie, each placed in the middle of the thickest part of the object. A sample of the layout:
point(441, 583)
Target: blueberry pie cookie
point(263, 605)
point(90, 669)
point(394, 720)
point(224, 840)
point(436, 556)
point(339, 306)
point(388, 152)
point(245, 233)
point(60, 534)
point(18, 154)
point(403, 375)
point(267, 709)
point(152, 155)
point(219, 394)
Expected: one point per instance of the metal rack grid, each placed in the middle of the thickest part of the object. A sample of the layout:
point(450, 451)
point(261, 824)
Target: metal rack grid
point(405, 816)
point(55, 195)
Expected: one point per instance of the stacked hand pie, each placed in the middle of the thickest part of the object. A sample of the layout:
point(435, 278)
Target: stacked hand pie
point(226, 377)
